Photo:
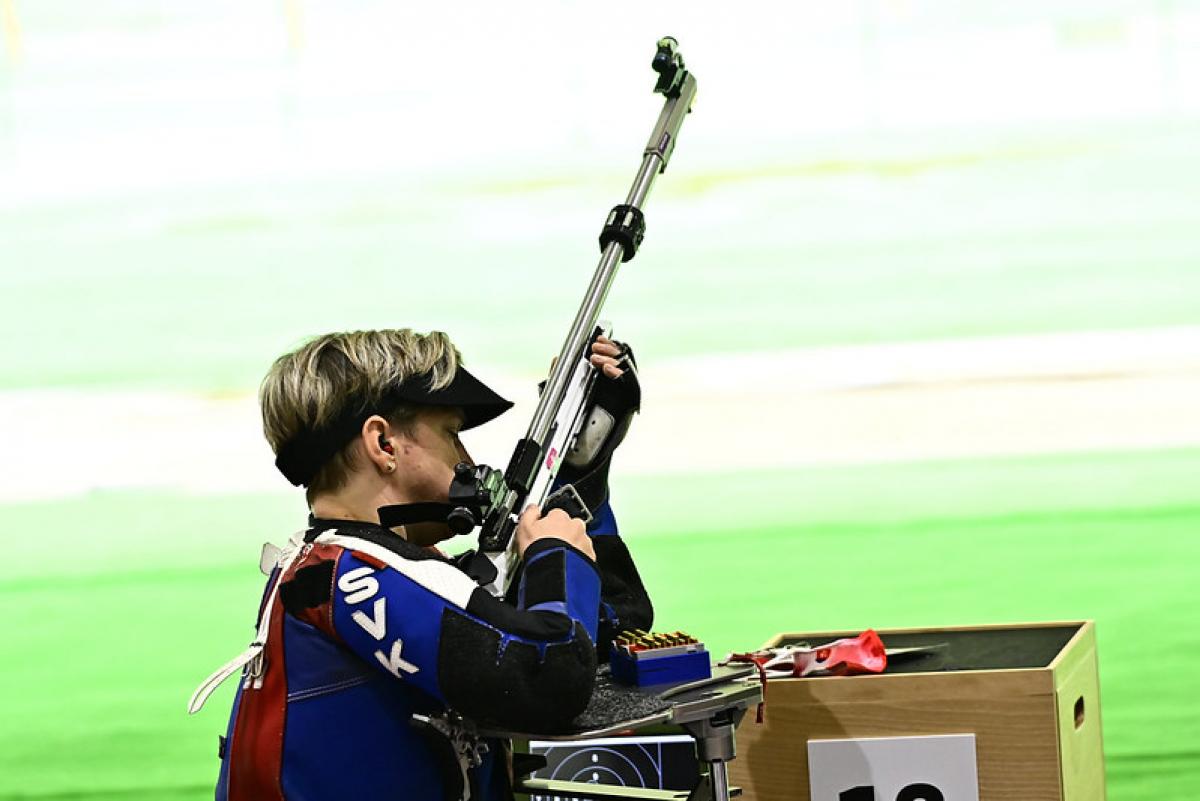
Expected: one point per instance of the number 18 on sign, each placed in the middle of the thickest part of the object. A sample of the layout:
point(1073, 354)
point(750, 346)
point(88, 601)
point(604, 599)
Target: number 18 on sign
point(934, 768)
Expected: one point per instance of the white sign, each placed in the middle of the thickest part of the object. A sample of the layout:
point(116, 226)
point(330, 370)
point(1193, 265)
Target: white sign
point(934, 768)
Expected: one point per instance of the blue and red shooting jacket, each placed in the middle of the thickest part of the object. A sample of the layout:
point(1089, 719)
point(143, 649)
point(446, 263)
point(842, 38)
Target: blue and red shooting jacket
point(368, 630)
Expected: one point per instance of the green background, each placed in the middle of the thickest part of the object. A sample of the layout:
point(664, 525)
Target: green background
point(127, 269)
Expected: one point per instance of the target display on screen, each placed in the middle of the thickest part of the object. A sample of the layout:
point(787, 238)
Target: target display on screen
point(660, 763)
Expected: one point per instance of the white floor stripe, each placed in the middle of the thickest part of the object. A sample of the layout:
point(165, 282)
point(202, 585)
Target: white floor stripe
point(836, 405)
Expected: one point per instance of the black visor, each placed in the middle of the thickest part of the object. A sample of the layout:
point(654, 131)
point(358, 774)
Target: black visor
point(303, 456)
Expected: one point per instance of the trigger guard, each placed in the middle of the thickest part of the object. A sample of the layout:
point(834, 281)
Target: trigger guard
point(570, 501)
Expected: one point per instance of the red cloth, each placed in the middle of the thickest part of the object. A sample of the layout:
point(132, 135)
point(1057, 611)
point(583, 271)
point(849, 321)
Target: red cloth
point(862, 654)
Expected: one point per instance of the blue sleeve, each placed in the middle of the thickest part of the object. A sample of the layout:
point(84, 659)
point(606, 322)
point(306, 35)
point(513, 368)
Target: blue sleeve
point(425, 622)
point(559, 578)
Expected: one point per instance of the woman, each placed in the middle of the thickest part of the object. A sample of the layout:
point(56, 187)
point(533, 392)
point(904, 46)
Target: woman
point(369, 636)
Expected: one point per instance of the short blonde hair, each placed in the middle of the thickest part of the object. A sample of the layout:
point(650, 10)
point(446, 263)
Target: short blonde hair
point(310, 387)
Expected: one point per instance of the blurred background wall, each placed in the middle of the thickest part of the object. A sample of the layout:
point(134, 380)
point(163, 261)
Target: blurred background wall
point(918, 315)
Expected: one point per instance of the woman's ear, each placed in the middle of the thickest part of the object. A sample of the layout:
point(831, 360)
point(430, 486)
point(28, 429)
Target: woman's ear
point(377, 443)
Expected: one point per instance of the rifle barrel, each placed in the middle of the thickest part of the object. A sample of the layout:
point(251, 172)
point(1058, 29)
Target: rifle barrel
point(654, 161)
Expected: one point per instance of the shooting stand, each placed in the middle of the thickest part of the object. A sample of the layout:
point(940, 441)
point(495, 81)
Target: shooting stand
point(709, 710)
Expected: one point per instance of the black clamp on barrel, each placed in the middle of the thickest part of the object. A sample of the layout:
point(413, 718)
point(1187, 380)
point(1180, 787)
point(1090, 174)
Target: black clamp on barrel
point(626, 225)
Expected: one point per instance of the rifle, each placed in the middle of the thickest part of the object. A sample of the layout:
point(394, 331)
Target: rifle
point(483, 496)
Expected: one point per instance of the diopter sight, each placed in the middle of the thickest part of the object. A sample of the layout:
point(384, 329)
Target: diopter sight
point(668, 63)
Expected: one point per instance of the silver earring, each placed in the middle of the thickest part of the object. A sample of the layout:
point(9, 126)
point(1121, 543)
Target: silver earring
point(390, 466)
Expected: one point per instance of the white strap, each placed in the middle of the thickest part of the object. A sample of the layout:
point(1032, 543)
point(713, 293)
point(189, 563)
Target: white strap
point(253, 654)
point(209, 685)
point(440, 578)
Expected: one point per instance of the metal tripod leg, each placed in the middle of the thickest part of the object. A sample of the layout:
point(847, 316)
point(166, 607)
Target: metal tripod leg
point(715, 748)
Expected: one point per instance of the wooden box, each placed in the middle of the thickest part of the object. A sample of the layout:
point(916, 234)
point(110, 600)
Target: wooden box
point(1029, 693)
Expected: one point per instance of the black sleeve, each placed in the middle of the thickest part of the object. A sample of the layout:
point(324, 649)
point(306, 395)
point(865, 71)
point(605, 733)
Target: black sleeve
point(624, 602)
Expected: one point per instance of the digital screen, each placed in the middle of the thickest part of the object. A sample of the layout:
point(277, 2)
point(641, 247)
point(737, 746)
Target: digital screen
point(659, 763)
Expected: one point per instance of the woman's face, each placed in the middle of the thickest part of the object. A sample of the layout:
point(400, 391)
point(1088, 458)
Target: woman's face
point(426, 457)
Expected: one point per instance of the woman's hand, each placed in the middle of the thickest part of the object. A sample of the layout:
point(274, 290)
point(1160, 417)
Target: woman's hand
point(606, 356)
point(532, 527)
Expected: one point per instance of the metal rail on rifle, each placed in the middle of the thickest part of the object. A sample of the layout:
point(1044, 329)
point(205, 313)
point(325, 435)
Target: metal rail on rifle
point(482, 496)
